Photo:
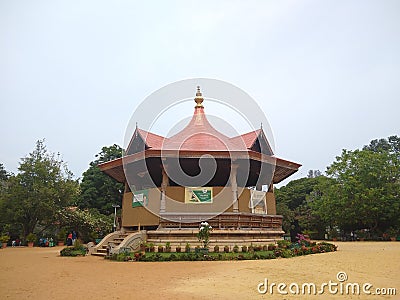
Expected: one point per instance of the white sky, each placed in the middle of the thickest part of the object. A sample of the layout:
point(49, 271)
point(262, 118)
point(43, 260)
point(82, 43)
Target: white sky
point(326, 73)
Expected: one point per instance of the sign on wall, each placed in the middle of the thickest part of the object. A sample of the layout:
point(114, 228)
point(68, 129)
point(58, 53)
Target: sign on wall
point(257, 202)
point(198, 195)
point(140, 198)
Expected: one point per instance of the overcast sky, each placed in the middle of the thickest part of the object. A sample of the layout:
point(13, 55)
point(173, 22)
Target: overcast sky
point(326, 73)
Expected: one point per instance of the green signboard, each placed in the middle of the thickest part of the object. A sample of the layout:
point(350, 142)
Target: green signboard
point(199, 195)
point(140, 198)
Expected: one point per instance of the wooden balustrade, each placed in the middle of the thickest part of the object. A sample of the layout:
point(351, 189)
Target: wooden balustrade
point(222, 221)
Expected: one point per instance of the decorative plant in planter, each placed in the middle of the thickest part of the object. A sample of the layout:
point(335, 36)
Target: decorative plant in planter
point(216, 248)
point(167, 247)
point(283, 244)
point(257, 248)
point(392, 233)
point(236, 248)
point(4, 240)
point(178, 249)
point(152, 247)
point(271, 247)
point(226, 249)
point(244, 248)
point(160, 248)
point(333, 234)
point(61, 237)
point(204, 234)
point(31, 238)
point(187, 248)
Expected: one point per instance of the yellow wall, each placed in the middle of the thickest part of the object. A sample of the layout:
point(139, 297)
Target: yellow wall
point(132, 216)
point(175, 202)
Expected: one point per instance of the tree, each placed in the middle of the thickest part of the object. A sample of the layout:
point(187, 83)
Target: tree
point(42, 187)
point(292, 203)
point(4, 175)
point(98, 190)
point(365, 188)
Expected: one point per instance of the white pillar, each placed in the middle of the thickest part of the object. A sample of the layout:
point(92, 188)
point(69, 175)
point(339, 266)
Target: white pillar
point(164, 184)
point(235, 202)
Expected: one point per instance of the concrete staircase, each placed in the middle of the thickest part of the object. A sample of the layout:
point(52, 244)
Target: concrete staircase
point(119, 241)
point(114, 241)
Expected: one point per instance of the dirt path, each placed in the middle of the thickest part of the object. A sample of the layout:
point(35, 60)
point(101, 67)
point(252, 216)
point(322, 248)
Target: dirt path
point(39, 273)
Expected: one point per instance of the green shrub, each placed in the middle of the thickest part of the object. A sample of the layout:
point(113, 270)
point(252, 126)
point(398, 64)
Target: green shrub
point(4, 238)
point(31, 237)
point(286, 253)
point(187, 248)
point(283, 244)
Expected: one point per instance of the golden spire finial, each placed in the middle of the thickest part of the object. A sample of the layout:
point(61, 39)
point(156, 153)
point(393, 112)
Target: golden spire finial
point(199, 98)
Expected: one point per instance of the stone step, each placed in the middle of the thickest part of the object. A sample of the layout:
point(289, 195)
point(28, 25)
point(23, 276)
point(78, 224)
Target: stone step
point(99, 254)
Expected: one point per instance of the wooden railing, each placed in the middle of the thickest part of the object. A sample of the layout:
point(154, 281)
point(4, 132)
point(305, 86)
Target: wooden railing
point(222, 221)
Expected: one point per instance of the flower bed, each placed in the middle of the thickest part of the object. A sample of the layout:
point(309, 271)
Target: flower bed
point(77, 250)
point(284, 250)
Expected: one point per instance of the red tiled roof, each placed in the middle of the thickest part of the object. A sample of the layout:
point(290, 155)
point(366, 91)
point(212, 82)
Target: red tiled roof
point(200, 135)
point(152, 140)
point(248, 138)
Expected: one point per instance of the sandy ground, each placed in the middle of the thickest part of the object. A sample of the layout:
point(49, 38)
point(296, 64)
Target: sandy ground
point(40, 273)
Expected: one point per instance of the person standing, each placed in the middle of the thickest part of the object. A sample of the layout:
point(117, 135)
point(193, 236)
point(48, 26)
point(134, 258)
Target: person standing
point(69, 239)
point(73, 237)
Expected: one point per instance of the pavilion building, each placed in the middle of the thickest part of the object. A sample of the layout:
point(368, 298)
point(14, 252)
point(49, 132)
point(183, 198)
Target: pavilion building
point(174, 183)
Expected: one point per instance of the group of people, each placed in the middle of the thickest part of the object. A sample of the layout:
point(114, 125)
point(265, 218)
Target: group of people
point(15, 243)
point(71, 238)
point(46, 242)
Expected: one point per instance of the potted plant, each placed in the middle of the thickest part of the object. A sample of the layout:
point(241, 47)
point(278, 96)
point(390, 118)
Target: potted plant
point(167, 247)
point(152, 247)
point(257, 248)
point(226, 249)
point(178, 249)
point(187, 248)
point(142, 246)
point(333, 234)
point(204, 235)
point(62, 234)
point(31, 238)
point(244, 248)
point(216, 248)
point(236, 248)
point(160, 248)
point(392, 233)
point(4, 240)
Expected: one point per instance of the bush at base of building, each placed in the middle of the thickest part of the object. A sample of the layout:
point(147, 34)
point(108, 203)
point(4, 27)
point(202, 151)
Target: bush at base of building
point(284, 250)
point(77, 250)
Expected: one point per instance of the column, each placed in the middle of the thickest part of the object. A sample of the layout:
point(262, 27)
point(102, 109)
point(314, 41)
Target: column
point(164, 184)
point(235, 202)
